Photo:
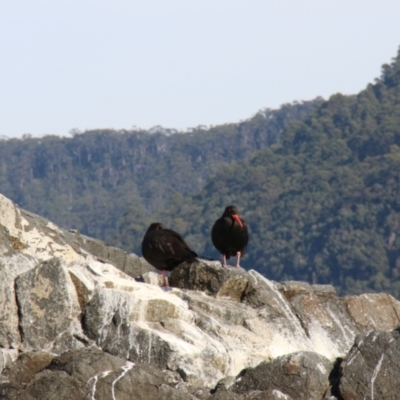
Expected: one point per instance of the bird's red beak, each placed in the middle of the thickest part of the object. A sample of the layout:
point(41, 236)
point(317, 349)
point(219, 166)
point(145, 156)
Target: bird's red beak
point(237, 219)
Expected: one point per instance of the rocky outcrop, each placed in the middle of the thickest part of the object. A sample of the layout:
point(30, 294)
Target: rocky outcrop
point(371, 368)
point(26, 233)
point(301, 375)
point(85, 321)
point(87, 374)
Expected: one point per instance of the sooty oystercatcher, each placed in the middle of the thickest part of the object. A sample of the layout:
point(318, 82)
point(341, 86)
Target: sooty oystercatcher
point(230, 235)
point(165, 249)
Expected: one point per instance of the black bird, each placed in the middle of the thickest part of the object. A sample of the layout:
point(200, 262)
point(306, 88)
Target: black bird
point(230, 235)
point(165, 249)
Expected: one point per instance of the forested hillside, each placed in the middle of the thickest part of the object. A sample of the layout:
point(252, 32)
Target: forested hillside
point(89, 181)
point(323, 204)
point(318, 184)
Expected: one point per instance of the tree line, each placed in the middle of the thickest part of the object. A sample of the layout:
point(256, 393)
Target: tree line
point(317, 182)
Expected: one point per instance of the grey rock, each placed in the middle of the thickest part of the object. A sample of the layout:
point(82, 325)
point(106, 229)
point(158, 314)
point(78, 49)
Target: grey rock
point(314, 310)
point(62, 294)
point(294, 288)
point(48, 308)
point(6, 241)
point(270, 394)
point(136, 266)
point(91, 245)
point(131, 264)
point(301, 375)
point(225, 384)
point(92, 374)
point(152, 278)
point(371, 369)
point(155, 328)
point(211, 278)
point(262, 293)
point(24, 232)
point(46, 386)
point(24, 369)
point(319, 310)
point(7, 357)
point(378, 311)
point(201, 393)
point(324, 290)
point(227, 396)
point(11, 266)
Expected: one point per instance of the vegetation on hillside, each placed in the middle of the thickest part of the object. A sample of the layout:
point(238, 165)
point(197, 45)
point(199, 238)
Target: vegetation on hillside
point(89, 181)
point(323, 204)
point(318, 184)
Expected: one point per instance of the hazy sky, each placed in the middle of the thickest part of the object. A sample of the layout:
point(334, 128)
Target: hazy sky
point(116, 64)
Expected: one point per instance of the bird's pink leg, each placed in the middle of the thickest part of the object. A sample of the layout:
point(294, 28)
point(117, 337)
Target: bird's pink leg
point(224, 260)
point(238, 259)
point(164, 278)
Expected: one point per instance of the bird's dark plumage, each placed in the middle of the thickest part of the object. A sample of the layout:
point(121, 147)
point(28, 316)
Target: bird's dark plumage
point(230, 235)
point(165, 249)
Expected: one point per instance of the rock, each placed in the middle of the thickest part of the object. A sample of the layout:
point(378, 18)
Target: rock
point(153, 327)
point(27, 233)
point(131, 264)
point(249, 336)
point(137, 266)
point(323, 316)
point(25, 368)
point(226, 396)
point(48, 308)
point(189, 332)
point(371, 369)
point(83, 328)
point(302, 375)
point(315, 317)
point(374, 311)
point(152, 278)
point(8, 356)
point(210, 277)
point(48, 386)
point(93, 374)
point(90, 245)
point(11, 266)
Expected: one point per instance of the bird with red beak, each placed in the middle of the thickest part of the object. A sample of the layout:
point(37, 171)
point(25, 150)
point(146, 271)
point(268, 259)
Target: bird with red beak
point(230, 235)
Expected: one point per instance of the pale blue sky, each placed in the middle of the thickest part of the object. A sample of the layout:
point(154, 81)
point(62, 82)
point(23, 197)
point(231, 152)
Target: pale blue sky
point(116, 64)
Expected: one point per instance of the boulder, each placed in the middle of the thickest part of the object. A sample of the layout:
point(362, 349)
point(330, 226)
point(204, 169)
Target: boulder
point(301, 375)
point(26, 367)
point(48, 308)
point(373, 311)
point(11, 267)
point(324, 316)
point(211, 278)
point(371, 369)
point(86, 374)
